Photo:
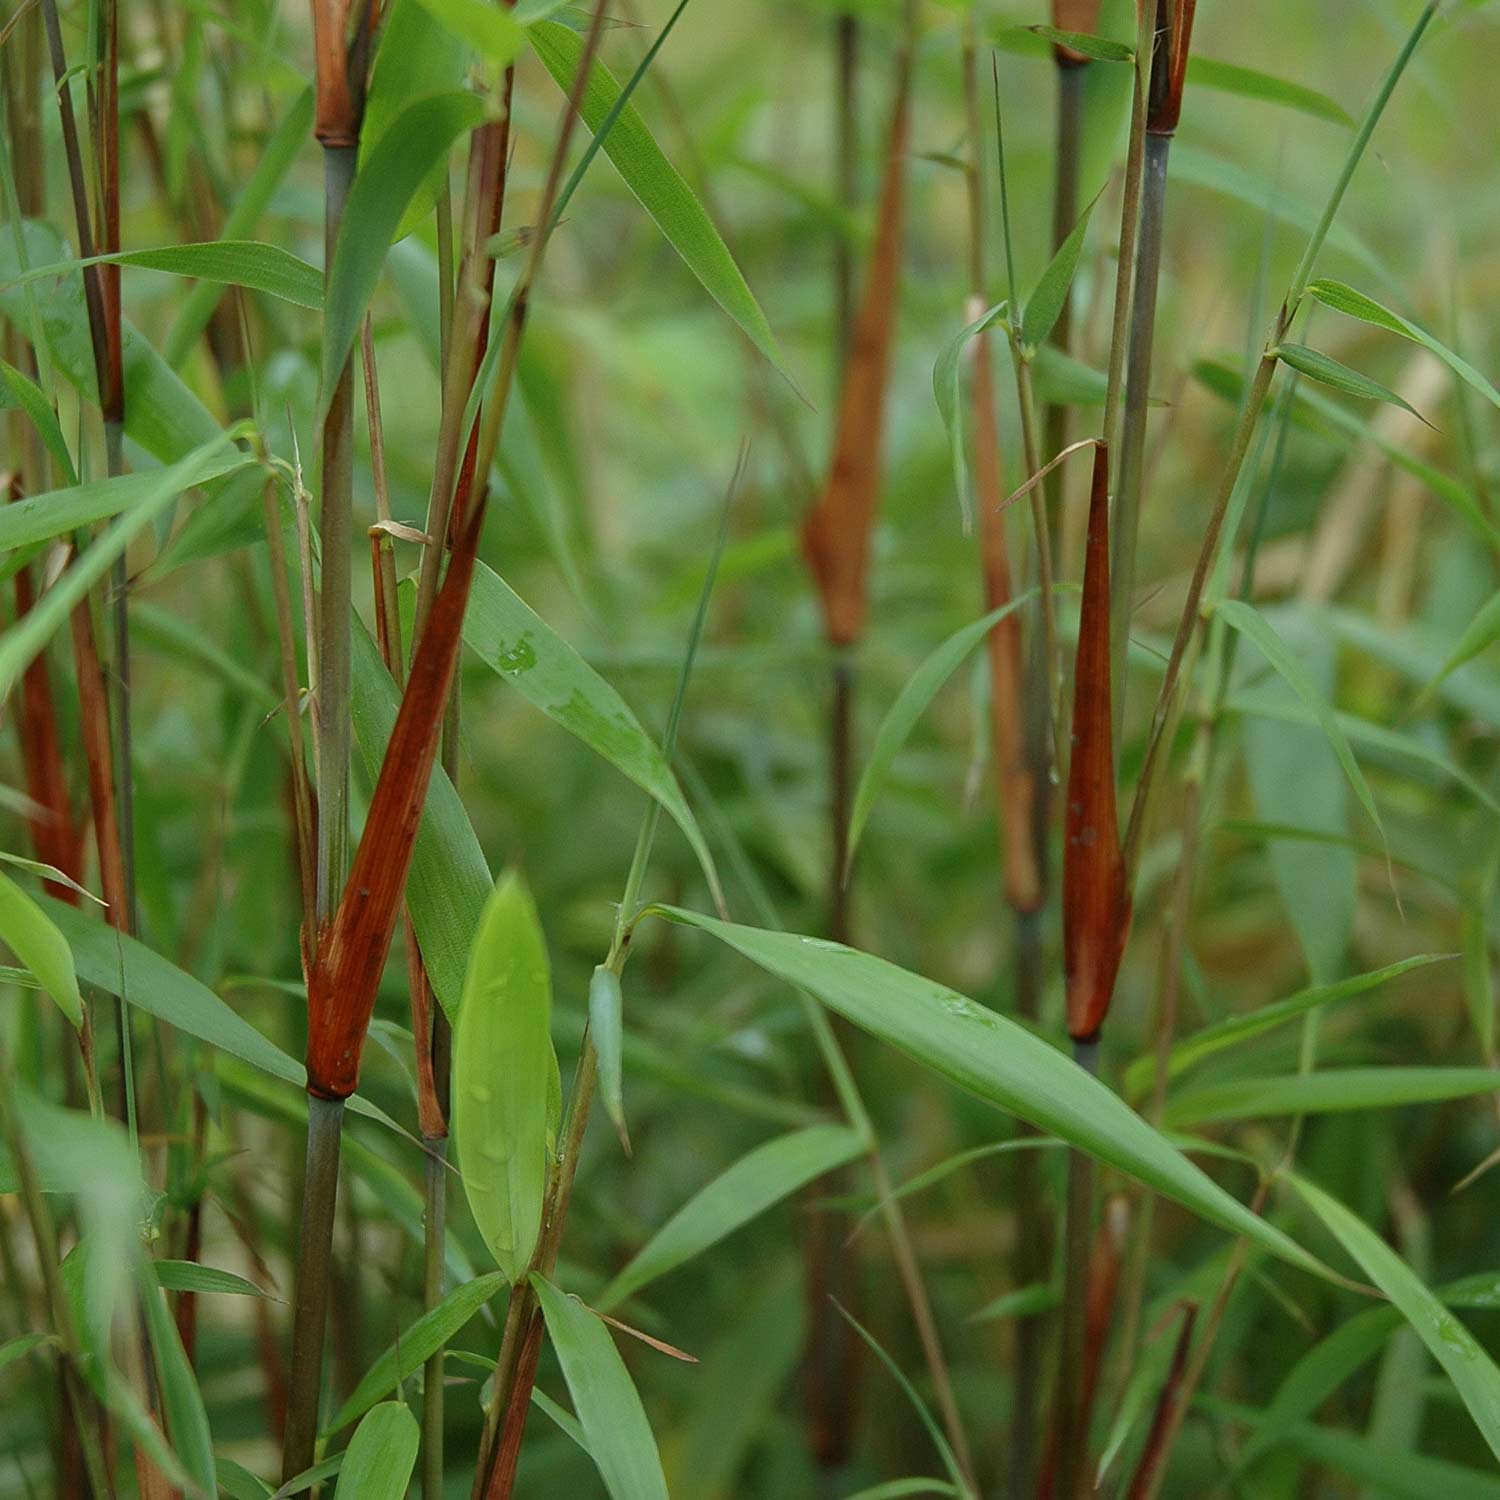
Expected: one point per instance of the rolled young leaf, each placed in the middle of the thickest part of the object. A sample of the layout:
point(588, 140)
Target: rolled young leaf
point(607, 1029)
point(1096, 901)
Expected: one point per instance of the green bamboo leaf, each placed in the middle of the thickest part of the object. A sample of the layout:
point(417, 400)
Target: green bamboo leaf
point(449, 881)
point(124, 966)
point(757, 1181)
point(1479, 635)
point(1371, 736)
point(656, 183)
point(1315, 411)
point(1328, 1091)
point(1331, 372)
point(161, 414)
point(381, 1456)
point(33, 937)
point(26, 638)
point(290, 136)
point(26, 1343)
point(19, 391)
point(911, 703)
point(907, 1489)
point(181, 1399)
point(238, 1482)
point(502, 1053)
point(738, 1389)
point(1024, 1302)
point(945, 391)
point(1064, 381)
point(609, 1409)
point(1045, 304)
point(513, 640)
point(1249, 623)
point(1236, 1029)
point(416, 1345)
point(315, 1474)
point(1471, 1370)
point(1479, 987)
point(1324, 1369)
point(1100, 48)
point(248, 263)
point(189, 1276)
point(417, 57)
point(40, 518)
point(924, 1415)
point(492, 32)
point(564, 1420)
point(1345, 299)
point(1396, 1473)
point(1269, 198)
point(997, 1060)
point(1147, 1380)
point(383, 187)
point(940, 1171)
point(607, 1031)
point(1332, 1362)
point(1251, 83)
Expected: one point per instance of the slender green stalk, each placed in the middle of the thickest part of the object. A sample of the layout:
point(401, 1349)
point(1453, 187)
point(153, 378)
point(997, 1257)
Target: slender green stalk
point(1125, 520)
point(1045, 678)
point(335, 600)
point(1072, 1439)
point(111, 784)
point(49, 1263)
point(1254, 402)
point(1041, 535)
point(1130, 209)
point(338, 117)
point(1066, 153)
point(846, 176)
point(515, 1369)
point(1188, 623)
point(325, 1119)
point(831, 1264)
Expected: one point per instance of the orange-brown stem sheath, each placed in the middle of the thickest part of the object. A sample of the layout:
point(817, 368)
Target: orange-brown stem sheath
point(836, 532)
point(1096, 903)
point(351, 954)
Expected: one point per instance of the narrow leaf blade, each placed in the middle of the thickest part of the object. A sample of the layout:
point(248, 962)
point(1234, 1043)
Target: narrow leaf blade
point(604, 1396)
